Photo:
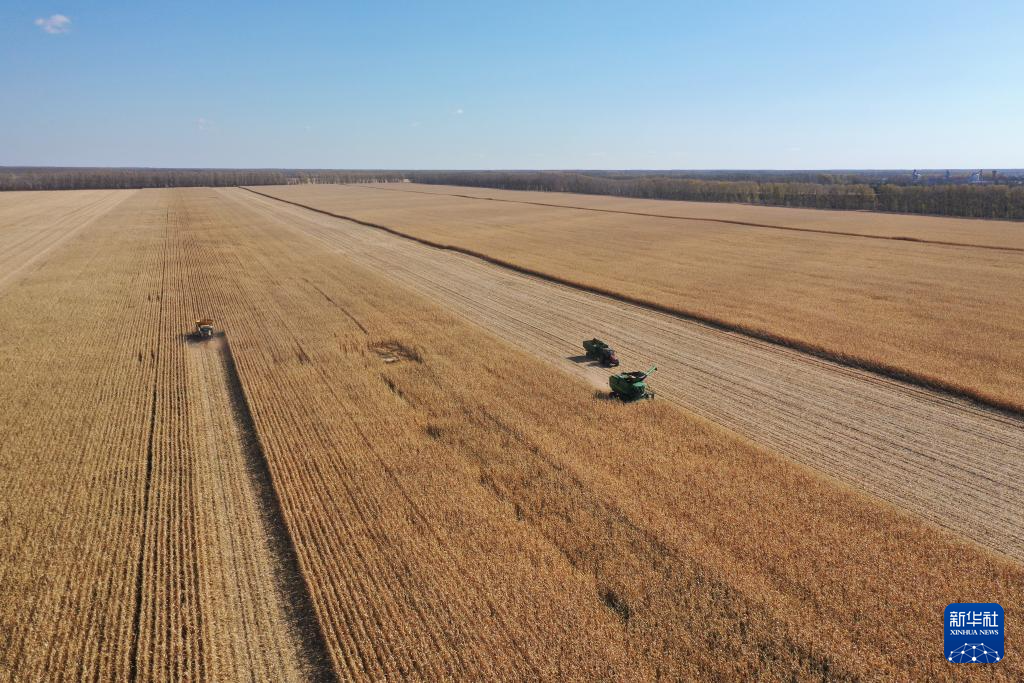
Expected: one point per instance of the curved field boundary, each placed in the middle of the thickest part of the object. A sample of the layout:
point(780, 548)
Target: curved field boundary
point(892, 372)
point(724, 221)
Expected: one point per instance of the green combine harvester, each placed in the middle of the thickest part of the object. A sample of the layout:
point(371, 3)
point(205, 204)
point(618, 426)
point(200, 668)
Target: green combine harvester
point(631, 386)
point(601, 352)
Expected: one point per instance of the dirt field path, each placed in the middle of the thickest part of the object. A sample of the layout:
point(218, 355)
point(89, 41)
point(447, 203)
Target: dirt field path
point(945, 459)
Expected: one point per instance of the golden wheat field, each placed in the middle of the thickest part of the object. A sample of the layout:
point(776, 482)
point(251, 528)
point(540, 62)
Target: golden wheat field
point(354, 481)
point(949, 315)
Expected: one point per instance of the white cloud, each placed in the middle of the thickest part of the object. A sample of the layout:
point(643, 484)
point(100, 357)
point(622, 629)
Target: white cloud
point(57, 23)
point(203, 124)
point(459, 111)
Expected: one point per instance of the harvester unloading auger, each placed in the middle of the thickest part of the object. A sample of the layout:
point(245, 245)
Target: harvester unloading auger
point(632, 386)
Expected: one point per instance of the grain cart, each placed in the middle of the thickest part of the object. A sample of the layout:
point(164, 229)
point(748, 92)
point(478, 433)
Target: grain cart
point(631, 386)
point(204, 328)
point(599, 351)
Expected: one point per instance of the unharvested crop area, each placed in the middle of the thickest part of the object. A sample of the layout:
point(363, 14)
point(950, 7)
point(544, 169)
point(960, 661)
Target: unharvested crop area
point(32, 228)
point(132, 545)
point(861, 428)
point(950, 315)
point(355, 482)
point(988, 233)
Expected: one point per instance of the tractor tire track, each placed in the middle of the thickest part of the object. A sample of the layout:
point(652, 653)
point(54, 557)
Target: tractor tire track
point(944, 458)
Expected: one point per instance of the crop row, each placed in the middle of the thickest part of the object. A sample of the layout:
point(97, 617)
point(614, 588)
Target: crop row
point(78, 341)
point(133, 545)
point(939, 314)
point(460, 510)
point(456, 508)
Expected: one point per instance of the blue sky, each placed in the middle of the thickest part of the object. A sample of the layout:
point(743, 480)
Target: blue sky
point(522, 85)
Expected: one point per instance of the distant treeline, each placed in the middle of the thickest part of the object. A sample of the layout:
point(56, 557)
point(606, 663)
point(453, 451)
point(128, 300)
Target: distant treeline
point(863, 190)
point(837, 177)
point(40, 178)
point(974, 201)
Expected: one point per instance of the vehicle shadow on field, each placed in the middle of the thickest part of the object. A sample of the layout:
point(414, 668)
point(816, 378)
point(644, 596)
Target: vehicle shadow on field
point(193, 339)
point(291, 580)
point(605, 395)
point(584, 360)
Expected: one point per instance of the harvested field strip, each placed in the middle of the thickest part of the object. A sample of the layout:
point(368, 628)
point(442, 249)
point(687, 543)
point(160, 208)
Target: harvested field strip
point(465, 511)
point(945, 459)
point(927, 314)
point(292, 589)
point(716, 322)
point(27, 233)
point(836, 233)
point(105, 479)
point(972, 232)
point(251, 614)
point(391, 606)
point(458, 509)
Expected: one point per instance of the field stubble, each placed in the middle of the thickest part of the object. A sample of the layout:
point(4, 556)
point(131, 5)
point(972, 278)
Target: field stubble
point(703, 555)
point(131, 548)
point(940, 457)
point(944, 315)
point(457, 508)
